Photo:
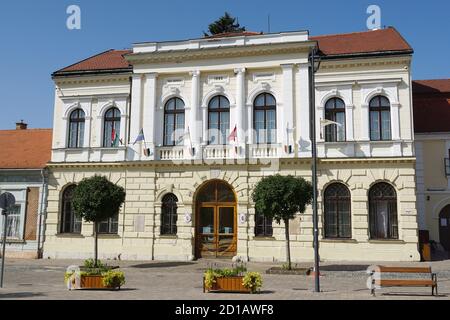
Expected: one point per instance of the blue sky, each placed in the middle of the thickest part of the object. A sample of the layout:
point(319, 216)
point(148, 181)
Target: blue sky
point(35, 41)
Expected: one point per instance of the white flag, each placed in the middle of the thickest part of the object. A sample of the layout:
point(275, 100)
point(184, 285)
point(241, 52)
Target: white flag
point(325, 122)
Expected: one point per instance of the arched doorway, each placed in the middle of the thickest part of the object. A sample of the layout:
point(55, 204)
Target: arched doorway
point(216, 221)
point(444, 228)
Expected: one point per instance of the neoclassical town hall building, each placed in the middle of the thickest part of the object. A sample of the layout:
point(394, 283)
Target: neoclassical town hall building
point(189, 127)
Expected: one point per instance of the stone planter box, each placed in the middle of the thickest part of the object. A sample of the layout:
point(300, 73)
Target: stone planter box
point(227, 284)
point(294, 271)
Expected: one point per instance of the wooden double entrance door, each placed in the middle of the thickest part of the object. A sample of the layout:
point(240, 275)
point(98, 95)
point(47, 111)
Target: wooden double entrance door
point(216, 232)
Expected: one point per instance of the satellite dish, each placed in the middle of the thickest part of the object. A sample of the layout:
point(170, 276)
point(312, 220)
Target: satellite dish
point(7, 200)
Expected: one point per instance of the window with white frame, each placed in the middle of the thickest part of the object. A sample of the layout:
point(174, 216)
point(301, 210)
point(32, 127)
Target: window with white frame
point(14, 223)
point(76, 129)
point(265, 118)
point(380, 119)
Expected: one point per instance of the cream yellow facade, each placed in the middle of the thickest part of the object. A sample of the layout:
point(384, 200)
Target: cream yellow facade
point(433, 182)
point(146, 184)
point(239, 69)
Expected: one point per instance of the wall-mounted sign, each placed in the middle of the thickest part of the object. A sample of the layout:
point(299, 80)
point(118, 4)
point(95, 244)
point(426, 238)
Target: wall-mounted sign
point(242, 218)
point(187, 218)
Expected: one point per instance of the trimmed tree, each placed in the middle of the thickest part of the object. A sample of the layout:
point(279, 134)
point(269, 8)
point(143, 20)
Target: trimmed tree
point(224, 24)
point(97, 199)
point(280, 198)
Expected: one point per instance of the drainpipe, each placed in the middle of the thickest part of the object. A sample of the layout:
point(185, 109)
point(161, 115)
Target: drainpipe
point(42, 213)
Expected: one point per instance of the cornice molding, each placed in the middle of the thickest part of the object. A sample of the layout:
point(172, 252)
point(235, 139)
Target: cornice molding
point(214, 53)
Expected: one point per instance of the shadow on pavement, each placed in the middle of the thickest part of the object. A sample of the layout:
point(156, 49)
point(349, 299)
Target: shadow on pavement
point(339, 267)
point(405, 294)
point(161, 265)
point(19, 295)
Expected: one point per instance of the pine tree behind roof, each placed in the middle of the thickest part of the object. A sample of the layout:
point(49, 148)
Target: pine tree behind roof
point(225, 24)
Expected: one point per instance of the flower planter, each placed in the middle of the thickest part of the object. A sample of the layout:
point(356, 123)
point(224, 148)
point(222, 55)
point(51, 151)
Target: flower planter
point(79, 280)
point(92, 282)
point(227, 284)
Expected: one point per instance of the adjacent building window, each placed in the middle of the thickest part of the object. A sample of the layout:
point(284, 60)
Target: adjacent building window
point(174, 122)
point(76, 129)
point(169, 215)
point(13, 223)
point(109, 226)
point(218, 120)
point(265, 118)
point(383, 212)
point(335, 111)
point(70, 222)
point(263, 226)
point(337, 212)
point(111, 131)
point(380, 119)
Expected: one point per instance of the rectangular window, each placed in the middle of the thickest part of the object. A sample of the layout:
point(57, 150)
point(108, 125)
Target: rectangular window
point(13, 224)
point(109, 226)
point(263, 226)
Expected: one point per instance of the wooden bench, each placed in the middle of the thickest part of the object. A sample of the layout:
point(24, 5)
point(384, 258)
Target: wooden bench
point(379, 282)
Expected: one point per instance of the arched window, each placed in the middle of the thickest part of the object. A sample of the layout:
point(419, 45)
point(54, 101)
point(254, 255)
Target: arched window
point(218, 120)
point(174, 122)
point(70, 222)
point(263, 226)
point(169, 215)
point(265, 118)
point(383, 212)
point(380, 118)
point(76, 128)
point(111, 132)
point(337, 212)
point(335, 111)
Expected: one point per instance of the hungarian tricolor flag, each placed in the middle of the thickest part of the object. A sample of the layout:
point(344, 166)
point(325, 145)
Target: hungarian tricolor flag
point(114, 138)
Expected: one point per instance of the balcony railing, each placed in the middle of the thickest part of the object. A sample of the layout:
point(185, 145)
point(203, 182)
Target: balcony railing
point(265, 151)
point(170, 153)
point(218, 152)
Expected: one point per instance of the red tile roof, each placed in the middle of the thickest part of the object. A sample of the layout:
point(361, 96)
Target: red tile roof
point(384, 40)
point(368, 42)
point(25, 149)
point(431, 100)
point(108, 60)
point(234, 34)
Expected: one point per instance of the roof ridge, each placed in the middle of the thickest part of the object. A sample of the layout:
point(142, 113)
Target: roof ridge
point(351, 33)
point(27, 130)
point(88, 58)
point(440, 79)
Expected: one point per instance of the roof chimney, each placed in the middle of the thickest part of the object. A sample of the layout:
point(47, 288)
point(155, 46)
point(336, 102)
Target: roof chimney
point(21, 125)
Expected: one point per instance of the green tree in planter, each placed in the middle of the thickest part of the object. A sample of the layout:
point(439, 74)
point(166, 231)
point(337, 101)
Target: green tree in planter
point(281, 198)
point(97, 199)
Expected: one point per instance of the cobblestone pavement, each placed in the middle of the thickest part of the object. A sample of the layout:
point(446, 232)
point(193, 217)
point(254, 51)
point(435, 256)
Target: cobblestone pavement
point(44, 279)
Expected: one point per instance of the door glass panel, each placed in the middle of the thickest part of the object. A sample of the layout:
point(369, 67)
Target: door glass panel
point(226, 244)
point(207, 237)
point(224, 193)
point(226, 221)
point(207, 220)
point(226, 230)
point(208, 193)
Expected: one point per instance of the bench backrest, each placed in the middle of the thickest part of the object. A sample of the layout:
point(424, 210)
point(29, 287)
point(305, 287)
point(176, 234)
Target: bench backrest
point(405, 269)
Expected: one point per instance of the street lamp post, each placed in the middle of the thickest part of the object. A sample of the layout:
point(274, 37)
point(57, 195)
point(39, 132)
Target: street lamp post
point(313, 67)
